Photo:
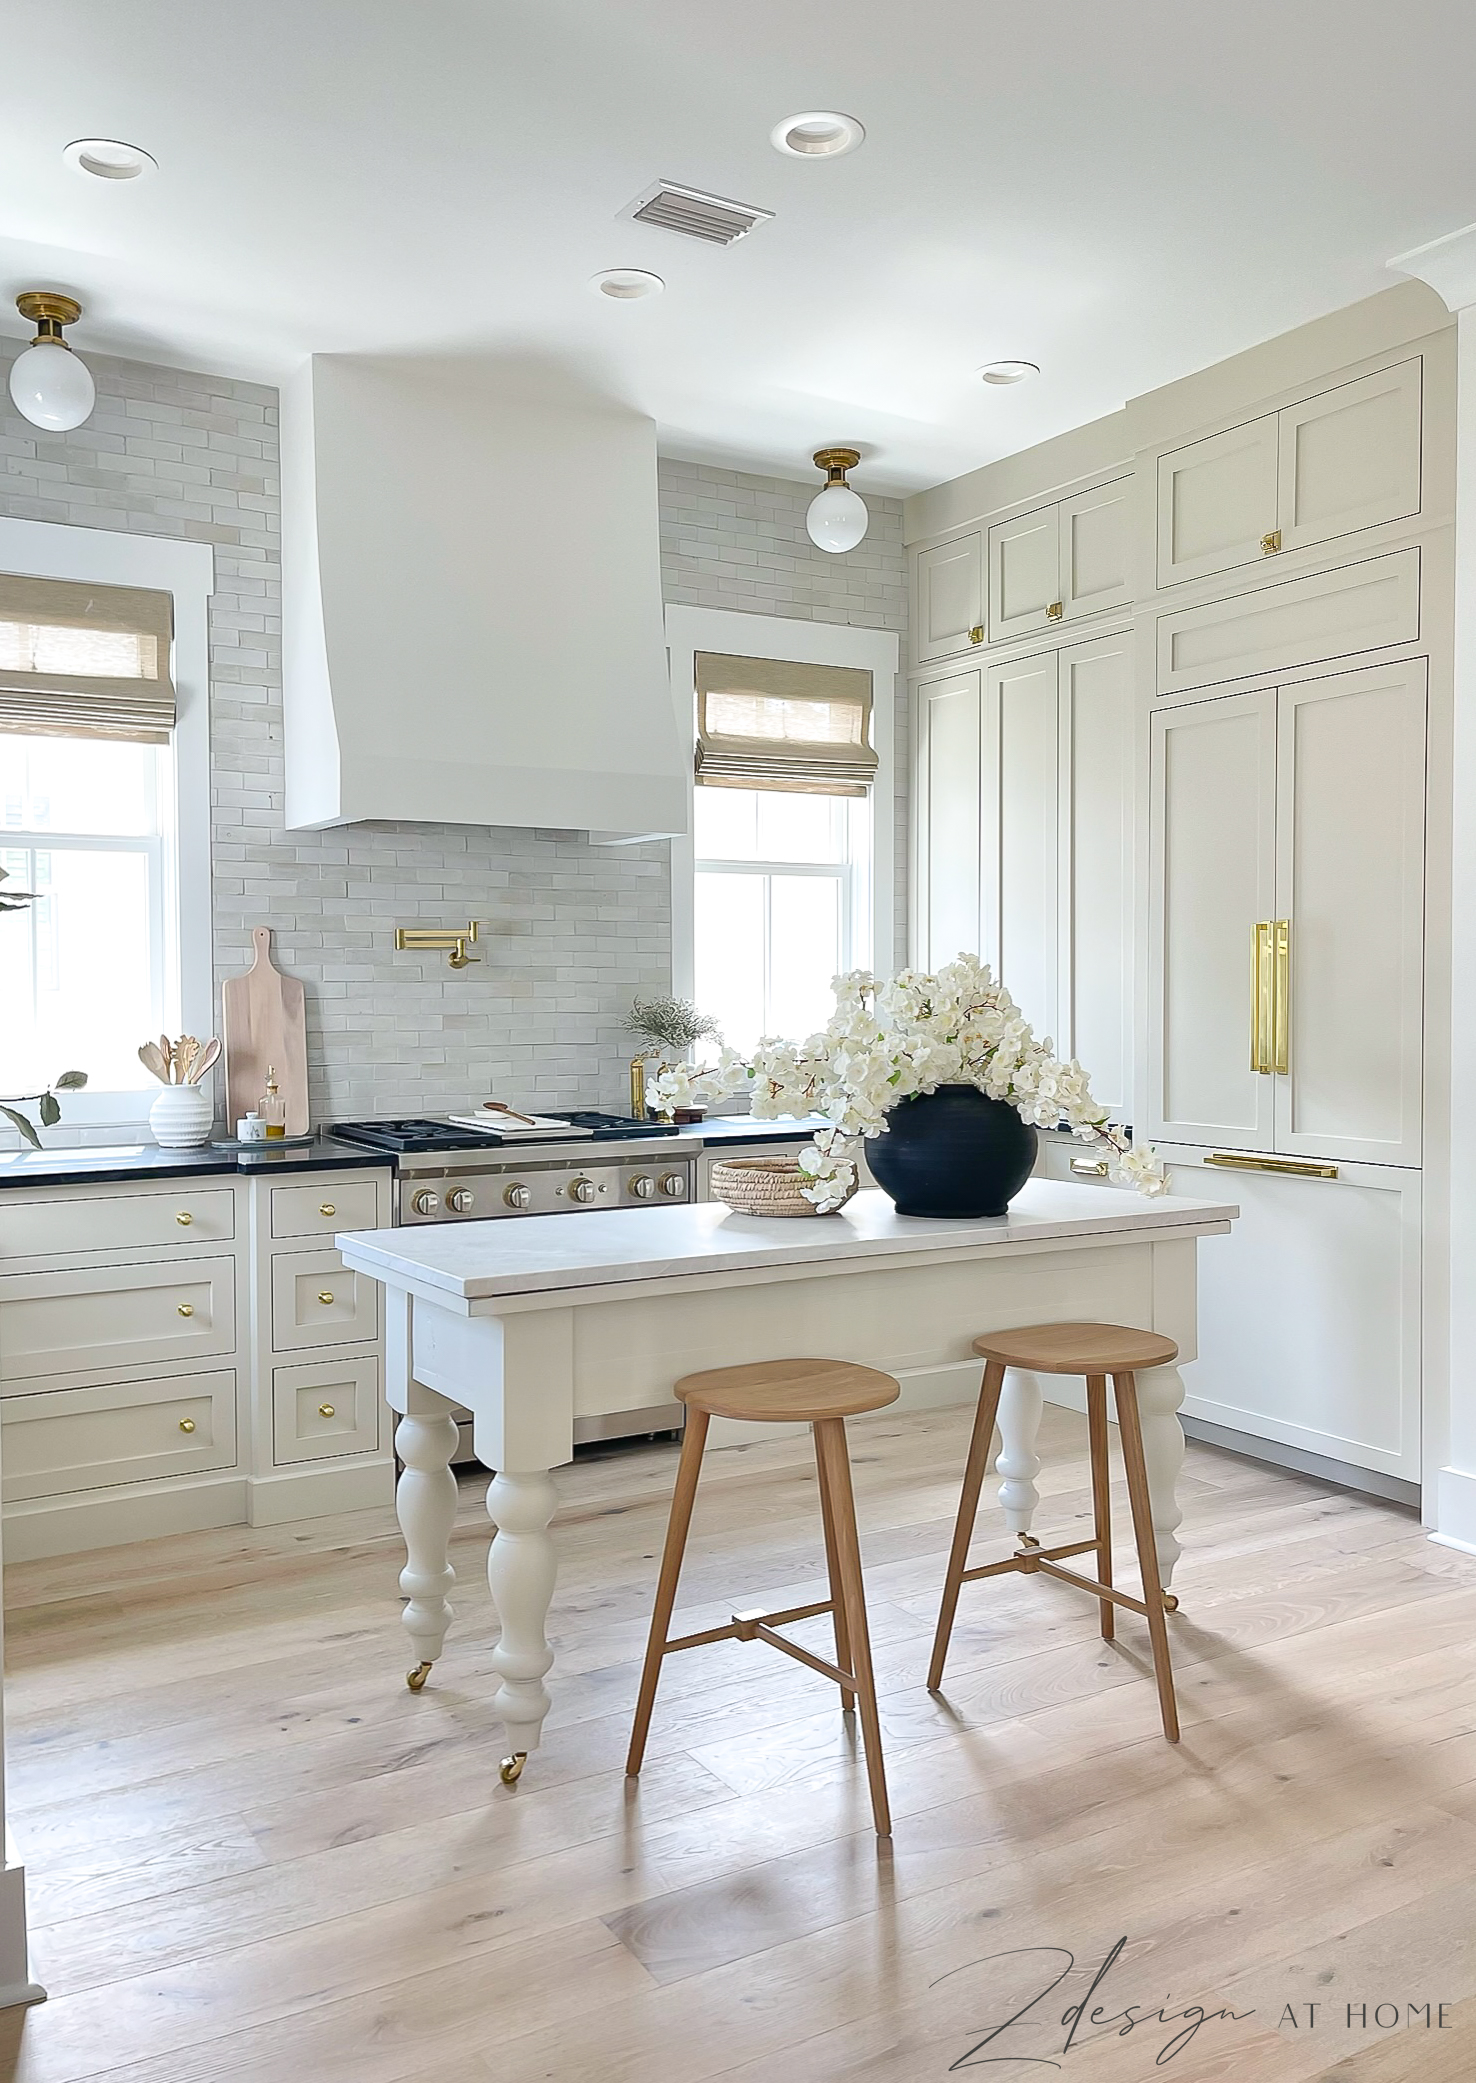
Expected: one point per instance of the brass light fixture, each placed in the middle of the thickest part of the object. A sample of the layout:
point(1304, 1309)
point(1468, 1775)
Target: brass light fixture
point(837, 517)
point(51, 386)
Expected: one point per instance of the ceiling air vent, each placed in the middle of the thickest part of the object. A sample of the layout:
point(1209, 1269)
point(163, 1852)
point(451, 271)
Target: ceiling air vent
point(695, 215)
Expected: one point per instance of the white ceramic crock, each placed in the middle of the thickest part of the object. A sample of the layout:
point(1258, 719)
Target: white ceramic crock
point(181, 1117)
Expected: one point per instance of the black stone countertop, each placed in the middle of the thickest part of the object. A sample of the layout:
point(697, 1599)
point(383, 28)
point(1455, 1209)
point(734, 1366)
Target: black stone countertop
point(115, 1163)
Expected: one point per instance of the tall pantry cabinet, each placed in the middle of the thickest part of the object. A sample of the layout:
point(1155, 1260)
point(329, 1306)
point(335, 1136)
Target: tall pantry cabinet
point(1193, 827)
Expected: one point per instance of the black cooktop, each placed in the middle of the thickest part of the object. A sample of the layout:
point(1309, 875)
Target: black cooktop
point(413, 1136)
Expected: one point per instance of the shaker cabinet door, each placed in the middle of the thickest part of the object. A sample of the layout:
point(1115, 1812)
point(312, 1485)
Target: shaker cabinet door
point(950, 741)
point(1022, 831)
point(1212, 882)
point(1350, 457)
point(1217, 502)
point(1025, 574)
point(1350, 884)
point(1095, 1022)
point(950, 598)
point(1094, 572)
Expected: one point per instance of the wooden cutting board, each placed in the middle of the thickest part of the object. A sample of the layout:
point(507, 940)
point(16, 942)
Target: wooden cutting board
point(265, 1028)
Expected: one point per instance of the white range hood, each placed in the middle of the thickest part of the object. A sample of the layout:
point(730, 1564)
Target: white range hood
point(472, 620)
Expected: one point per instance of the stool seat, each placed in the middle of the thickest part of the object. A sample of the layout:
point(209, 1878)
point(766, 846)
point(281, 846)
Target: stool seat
point(801, 1392)
point(1077, 1349)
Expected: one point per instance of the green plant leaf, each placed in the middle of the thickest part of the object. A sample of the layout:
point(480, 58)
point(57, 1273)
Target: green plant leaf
point(71, 1081)
point(49, 1109)
point(20, 1122)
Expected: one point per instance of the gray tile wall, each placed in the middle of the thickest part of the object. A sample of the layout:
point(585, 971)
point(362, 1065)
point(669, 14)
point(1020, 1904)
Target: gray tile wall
point(570, 932)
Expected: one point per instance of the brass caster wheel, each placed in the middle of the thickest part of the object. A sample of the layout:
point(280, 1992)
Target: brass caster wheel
point(1027, 1540)
point(512, 1768)
point(1170, 1602)
point(416, 1679)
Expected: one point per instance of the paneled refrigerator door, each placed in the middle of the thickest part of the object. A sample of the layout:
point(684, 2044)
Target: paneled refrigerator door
point(1350, 902)
point(1212, 882)
point(1096, 931)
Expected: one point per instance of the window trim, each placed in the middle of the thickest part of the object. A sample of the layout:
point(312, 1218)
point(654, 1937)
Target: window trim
point(690, 630)
point(51, 550)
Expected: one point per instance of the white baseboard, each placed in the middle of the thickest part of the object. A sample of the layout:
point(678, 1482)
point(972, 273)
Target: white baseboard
point(1455, 1510)
point(318, 1493)
point(70, 1525)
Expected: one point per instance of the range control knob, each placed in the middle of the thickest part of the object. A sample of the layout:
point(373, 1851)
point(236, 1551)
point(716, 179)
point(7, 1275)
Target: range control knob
point(642, 1188)
point(674, 1186)
point(425, 1202)
point(582, 1190)
point(517, 1197)
point(462, 1201)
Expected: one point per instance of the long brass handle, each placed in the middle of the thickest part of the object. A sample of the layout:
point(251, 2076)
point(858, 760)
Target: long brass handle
point(1263, 996)
point(1281, 1009)
point(1298, 1167)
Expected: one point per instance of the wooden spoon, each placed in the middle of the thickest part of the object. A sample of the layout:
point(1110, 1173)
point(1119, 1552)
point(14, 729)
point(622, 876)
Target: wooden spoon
point(206, 1060)
point(186, 1049)
point(152, 1059)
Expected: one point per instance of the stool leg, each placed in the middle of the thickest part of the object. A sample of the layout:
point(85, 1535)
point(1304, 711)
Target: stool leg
point(1101, 1489)
point(1125, 1390)
point(688, 1470)
point(834, 1467)
point(968, 1509)
point(837, 1589)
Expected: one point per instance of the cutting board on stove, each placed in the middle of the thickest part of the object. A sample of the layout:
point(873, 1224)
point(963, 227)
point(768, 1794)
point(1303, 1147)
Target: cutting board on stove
point(265, 1028)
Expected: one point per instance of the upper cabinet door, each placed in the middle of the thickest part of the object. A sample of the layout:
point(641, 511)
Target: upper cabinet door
point(950, 747)
point(950, 597)
point(1025, 575)
point(1096, 934)
point(1217, 502)
point(1350, 457)
point(1350, 883)
point(1212, 881)
point(1020, 702)
point(1094, 550)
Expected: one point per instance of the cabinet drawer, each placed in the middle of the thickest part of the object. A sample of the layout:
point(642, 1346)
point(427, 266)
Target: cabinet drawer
point(53, 1228)
point(324, 1407)
point(316, 1300)
point(112, 1317)
point(90, 1439)
point(1359, 607)
point(1078, 1163)
point(324, 1210)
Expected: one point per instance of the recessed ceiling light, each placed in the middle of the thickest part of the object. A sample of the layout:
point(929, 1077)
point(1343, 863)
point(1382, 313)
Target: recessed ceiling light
point(1009, 372)
point(109, 159)
point(820, 133)
point(625, 285)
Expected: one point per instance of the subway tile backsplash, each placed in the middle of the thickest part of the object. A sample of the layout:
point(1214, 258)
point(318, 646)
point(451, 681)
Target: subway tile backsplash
point(570, 932)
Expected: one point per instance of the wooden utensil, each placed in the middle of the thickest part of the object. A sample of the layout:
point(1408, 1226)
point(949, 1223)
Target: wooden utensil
point(496, 1106)
point(265, 1027)
point(206, 1060)
point(186, 1049)
point(153, 1059)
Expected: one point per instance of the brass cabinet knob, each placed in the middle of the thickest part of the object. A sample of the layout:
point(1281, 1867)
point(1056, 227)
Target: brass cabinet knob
point(327, 1208)
point(1090, 1167)
point(325, 1294)
point(186, 1308)
point(326, 1410)
point(976, 634)
point(186, 1424)
point(1271, 543)
point(1055, 611)
point(184, 1221)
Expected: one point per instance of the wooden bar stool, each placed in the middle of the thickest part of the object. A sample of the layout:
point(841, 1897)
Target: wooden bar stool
point(1093, 1350)
point(821, 1394)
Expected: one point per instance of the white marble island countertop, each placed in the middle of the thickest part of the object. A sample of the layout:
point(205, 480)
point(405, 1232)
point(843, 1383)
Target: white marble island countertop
point(531, 1254)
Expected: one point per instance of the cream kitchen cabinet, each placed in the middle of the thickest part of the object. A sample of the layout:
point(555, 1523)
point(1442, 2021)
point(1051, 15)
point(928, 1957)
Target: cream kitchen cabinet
point(1343, 460)
point(1059, 562)
point(1287, 894)
point(1025, 841)
point(948, 597)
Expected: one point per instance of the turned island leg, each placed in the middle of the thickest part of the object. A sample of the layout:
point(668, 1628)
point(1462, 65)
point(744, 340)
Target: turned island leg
point(425, 1503)
point(521, 1567)
point(1160, 1392)
point(1018, 1464)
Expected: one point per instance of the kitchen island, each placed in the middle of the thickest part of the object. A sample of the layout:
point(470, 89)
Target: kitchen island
point(524, 1321)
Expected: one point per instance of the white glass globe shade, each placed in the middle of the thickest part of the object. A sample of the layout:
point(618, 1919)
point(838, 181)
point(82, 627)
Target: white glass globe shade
point(837, 519)
point(52, 387)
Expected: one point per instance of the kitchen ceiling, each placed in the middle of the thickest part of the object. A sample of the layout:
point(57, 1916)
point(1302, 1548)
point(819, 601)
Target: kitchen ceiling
point(1119, 193)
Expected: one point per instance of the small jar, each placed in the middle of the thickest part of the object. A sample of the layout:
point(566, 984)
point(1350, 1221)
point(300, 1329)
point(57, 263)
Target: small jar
point(251, 1128)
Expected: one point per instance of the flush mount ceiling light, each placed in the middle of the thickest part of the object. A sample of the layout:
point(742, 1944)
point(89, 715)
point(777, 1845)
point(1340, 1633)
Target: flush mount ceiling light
point(109, 159)
point(819, 133)
point(837, 518)
point(51, 386)
point(1009, 372)
point(626, 285)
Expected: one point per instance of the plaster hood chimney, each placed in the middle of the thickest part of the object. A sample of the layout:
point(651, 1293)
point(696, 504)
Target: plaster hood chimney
point(472, 621)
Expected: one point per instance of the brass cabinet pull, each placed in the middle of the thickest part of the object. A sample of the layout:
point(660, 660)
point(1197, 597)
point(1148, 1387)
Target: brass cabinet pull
point(1090, 1167)
point(1055, 611)
point(184, 1221)
point(327, 1208)
point(976, 634)
point(326, 1410)
point(186, 1309)
point(1263, 996)
point(186, 1424)
point(325, 1294)
point(1281, 1003)
point(1297, 1167)
point(1271, 543)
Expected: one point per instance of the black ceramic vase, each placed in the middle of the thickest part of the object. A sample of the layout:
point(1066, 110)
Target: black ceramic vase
point(952, 1152)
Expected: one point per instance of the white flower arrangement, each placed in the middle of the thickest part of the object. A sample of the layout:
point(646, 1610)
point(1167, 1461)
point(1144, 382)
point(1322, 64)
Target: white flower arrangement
point(888, 1042)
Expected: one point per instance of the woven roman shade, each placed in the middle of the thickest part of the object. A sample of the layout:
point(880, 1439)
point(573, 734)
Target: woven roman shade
point(80, 660)
point(774, 724)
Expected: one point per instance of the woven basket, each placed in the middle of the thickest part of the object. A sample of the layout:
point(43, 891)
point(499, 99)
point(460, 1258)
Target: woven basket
point(763, 1186)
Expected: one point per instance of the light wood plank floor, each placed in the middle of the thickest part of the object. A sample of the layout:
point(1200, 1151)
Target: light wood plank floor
point(252, 1853)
